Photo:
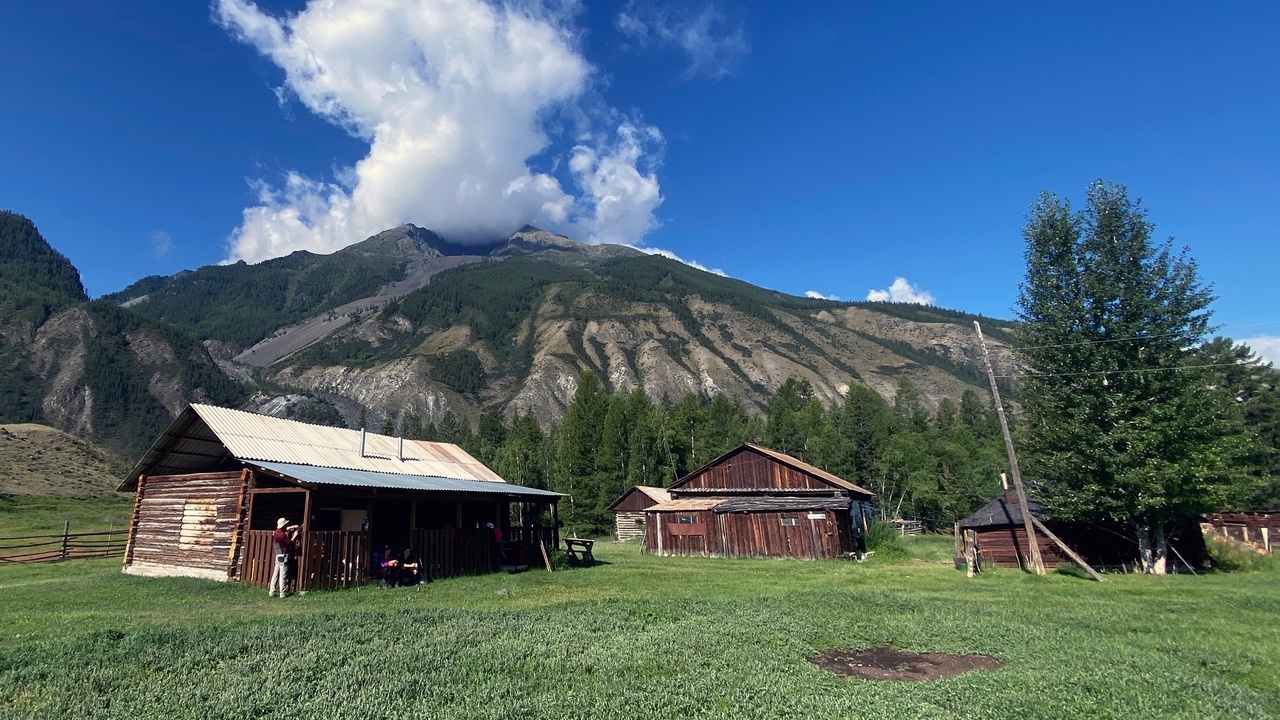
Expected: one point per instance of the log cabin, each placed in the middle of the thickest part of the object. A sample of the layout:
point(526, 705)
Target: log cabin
point(629, 511)
point(209, 491)
point(757, 502)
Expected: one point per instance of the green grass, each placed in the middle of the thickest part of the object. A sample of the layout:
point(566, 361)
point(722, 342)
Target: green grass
point(637, 637)
point(33, 515)
point(24, 515)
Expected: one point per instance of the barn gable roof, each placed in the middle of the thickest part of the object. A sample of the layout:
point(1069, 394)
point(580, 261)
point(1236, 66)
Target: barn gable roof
point(205, 437)
point(783, 458)
point(656, 494)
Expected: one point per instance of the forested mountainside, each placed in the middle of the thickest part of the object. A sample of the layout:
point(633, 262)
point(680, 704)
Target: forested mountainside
point(514, 334)
point(94, 369)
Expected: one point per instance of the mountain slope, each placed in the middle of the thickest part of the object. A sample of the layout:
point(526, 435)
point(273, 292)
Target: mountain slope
point(44, 461)
point(514, 332)
point(94, 369)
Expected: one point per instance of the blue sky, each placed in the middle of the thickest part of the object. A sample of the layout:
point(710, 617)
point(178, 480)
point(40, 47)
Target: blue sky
point(825, 147)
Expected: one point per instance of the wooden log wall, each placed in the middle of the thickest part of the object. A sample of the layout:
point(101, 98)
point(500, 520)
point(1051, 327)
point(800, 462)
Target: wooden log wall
point(628, 525)
point(185, 525)
point(750, 470)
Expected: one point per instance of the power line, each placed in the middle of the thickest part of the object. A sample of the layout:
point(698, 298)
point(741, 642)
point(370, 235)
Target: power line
point(1126, 339)
point(1256, 364)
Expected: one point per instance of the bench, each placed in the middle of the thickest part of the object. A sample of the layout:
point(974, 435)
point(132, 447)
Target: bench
point(578, 551)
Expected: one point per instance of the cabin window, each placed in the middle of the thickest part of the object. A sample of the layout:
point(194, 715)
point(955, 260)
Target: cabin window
point(789, 521)
point(639, 522)
point(687, 519)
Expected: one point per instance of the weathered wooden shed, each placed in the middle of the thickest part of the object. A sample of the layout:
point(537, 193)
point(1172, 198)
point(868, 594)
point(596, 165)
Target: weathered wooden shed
point(209, 491)
point(629, 510)
point(1001, 538)
point(1001, 534)
point(757, 502)
point(1260, 530)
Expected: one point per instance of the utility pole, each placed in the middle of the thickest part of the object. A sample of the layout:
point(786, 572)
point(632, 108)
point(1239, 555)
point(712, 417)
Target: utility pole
point(1034, 549)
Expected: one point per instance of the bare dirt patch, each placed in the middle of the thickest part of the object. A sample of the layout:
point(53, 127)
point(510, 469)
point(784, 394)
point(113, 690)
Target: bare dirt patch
point(888, 663)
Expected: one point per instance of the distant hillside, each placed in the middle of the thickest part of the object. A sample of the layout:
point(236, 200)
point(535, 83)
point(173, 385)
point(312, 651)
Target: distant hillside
point(43, 461)
point(35, 280)
point(94, 369)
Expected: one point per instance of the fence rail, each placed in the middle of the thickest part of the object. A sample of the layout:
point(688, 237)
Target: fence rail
point(64, 546)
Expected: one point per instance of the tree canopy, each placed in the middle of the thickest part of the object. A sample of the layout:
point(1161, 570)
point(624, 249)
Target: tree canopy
point(1124, 424)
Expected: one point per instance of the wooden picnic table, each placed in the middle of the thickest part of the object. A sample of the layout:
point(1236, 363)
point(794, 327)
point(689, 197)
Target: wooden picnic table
point(578, 550)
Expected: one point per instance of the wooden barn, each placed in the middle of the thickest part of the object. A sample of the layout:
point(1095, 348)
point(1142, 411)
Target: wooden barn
point(756, 502)
point(629, 511)
point(1260, 530)
point(209, 491)
point(1001, 539)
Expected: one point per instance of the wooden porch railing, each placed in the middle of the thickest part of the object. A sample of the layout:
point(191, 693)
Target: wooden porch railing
point(333, 560)
point(328, 560)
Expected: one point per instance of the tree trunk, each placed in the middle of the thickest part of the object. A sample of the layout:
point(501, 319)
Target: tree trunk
point(1153, 548)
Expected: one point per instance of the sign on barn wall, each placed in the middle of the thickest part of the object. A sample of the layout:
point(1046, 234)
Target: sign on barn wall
point(199, 520)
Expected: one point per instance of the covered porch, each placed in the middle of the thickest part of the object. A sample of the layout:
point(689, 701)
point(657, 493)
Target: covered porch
point(348, 518)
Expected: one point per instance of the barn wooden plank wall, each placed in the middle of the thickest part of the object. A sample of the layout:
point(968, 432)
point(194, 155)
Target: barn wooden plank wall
point(1006, 546)
point(818, 534)
point(200, 511)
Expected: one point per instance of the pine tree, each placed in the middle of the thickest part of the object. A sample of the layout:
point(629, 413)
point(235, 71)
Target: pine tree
point(1121, 426)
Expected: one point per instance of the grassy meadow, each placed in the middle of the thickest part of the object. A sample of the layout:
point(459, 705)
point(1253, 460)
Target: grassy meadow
point(640, 637)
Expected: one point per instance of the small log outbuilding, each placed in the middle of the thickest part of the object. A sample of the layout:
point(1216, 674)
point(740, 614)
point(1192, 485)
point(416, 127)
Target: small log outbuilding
point(629, 511)
point(757, 502)
point(210, 490)
point(998, 534)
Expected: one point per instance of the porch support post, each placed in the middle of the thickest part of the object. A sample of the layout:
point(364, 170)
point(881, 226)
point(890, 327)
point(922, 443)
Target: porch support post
point(306, 542)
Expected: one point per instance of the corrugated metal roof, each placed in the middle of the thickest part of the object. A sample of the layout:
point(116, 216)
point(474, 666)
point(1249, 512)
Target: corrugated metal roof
point(400, 481)
point(252, 437)
point(686, 505)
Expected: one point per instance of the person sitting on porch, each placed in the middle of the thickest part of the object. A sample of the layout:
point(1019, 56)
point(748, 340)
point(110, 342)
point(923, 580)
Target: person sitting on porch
point(411, 570)
point(389, 567)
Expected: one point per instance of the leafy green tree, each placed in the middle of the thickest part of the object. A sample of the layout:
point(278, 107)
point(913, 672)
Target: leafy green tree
point(1121, 426)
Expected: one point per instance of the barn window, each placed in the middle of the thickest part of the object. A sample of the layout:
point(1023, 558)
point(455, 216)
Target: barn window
point(687, 519)
point(789, 521)
point(639, 522)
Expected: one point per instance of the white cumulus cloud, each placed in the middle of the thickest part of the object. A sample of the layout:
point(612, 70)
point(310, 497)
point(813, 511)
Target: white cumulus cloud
point(1266, 347)
point(714, 45)
point(901, 291)
point(819, 296)
point(459, 101)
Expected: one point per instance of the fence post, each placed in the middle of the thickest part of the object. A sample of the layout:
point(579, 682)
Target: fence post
point(66, 532)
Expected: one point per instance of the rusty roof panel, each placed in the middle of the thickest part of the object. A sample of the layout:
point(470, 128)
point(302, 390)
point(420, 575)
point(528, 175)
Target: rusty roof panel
point(250, 436)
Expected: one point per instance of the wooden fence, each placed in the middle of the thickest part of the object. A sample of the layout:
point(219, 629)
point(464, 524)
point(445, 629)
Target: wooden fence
point(328, 560)
point(64, 546)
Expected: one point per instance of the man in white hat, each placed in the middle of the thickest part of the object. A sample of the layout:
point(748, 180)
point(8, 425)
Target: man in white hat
point(282, 540)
